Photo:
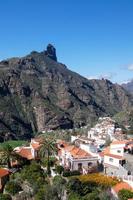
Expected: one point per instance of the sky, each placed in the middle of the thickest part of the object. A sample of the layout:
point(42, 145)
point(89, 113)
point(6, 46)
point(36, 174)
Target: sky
point(92, 37)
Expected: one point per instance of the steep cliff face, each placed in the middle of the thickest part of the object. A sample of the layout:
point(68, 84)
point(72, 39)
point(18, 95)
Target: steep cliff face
point(38, 93)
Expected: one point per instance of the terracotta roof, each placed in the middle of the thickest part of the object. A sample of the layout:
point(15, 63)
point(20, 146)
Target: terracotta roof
point(106, 150)
point(122, 185)
point(4, 172)
point(114, 156)
point(26, 153)
point(77, 152)
point(120, 142)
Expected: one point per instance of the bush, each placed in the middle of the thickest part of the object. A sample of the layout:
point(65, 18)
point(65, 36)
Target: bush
point(5, 197)
point(59, 180)
point(99, 179)
point(125, 194)
point(71, 173)
point(40, 195)
point(59, 169)
point(74, 185)
point(74, 196)
point(33, 174)
point(12, 187)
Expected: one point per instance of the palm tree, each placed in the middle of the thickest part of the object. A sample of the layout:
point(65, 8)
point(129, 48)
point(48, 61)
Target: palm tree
point(6, 153)
point(47, 148)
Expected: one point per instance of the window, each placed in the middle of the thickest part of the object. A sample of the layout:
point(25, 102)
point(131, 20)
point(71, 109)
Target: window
point(122, 162)
point(89, 164)
point(79, 166)
point(111, 159)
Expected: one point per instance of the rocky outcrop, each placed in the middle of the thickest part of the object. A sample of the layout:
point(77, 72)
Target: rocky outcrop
point(38, 93)
point(51, 52)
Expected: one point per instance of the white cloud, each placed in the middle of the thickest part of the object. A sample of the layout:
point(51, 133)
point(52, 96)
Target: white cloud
point(108, 76)
point(127, 81)
point(130, 67)
point(127, 67)
point(92, 77)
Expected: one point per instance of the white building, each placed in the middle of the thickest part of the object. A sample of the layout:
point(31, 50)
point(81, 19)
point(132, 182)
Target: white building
point(75, 158)
point(114, 159)
point(103, 130)
point(29, 152)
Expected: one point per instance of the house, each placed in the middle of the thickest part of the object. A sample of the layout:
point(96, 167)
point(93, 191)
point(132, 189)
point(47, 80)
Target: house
point(75, 158)
point(29, 152)
point(105, 131)
point(115, 154)
point(4, 177)
point(122, 185)
point(115, 159)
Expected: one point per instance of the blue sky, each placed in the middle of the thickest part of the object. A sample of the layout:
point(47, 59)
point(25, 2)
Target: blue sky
point(92, 37)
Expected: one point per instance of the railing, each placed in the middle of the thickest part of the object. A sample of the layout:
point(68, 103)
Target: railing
point(128, 178)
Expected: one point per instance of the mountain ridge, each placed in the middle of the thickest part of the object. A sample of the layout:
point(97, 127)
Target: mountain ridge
point(38, 93)
point(128, 86)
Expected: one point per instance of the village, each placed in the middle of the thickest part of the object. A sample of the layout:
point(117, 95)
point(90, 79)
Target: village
point(105, 150)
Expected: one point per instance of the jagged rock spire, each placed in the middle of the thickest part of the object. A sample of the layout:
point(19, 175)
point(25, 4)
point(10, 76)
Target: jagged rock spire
point(51, 52)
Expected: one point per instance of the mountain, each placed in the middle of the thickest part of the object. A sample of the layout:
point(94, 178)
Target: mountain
point(128, 86)
point(125, 119)
point(38, 93)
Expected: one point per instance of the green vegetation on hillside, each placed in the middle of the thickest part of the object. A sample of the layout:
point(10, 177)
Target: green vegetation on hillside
point(13, 143)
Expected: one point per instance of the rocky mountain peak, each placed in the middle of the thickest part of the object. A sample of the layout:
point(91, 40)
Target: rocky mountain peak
point(38, 93)
point(51, 52)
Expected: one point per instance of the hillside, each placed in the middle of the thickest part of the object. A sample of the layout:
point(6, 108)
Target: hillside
point(128, 86)
point(38, 93)
point(125, 119)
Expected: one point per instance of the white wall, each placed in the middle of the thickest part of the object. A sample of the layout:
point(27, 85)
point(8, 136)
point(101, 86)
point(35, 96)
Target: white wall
point(117, 149)
point(73, 138)
point(84, 163)
point(111, 161)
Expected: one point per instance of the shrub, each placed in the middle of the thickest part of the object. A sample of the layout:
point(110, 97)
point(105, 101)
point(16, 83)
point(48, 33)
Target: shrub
point(74, 196)
point(71, 173)
point(5, 197)
point(125, 194)
point(12, 187)
point(40, 195)
point(59, 169)
point(33, 174)
point(99, 179)
point(74, 186)
point(59, 180)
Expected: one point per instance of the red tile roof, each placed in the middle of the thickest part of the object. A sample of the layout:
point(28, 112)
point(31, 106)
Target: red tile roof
point(114, 156)
point(77, 152)
point(120, 142)
point(4, 172)
point(122, 185)
point(26, 153)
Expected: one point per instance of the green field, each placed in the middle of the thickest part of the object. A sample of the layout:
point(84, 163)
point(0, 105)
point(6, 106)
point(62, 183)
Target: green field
point(14, 143)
